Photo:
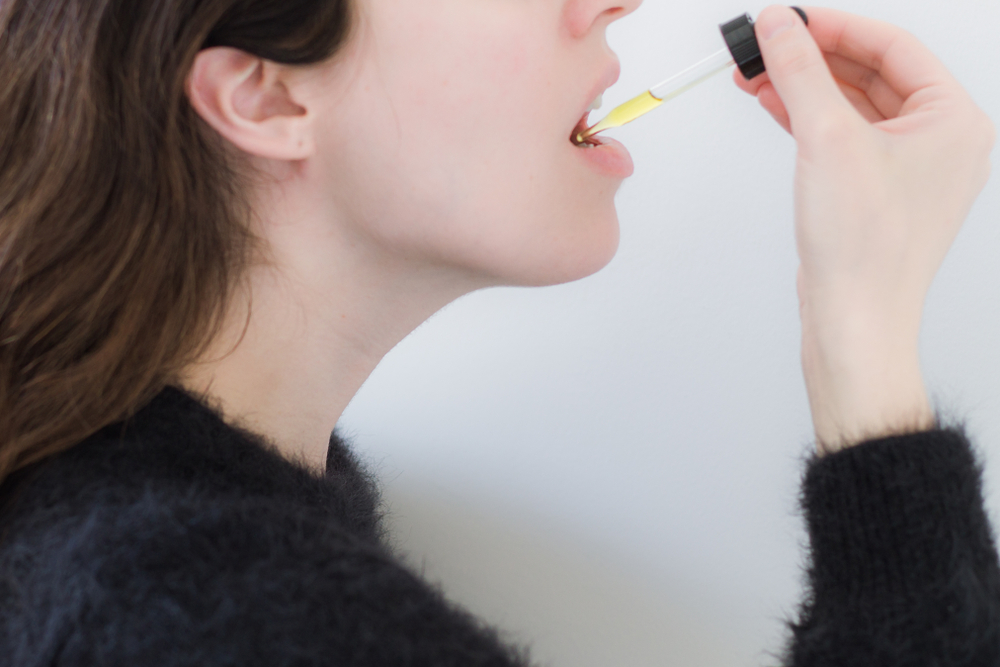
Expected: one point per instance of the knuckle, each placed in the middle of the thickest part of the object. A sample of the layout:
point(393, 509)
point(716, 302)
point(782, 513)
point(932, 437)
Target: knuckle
point(982, 137)
point(973, 132)
point(989, 133)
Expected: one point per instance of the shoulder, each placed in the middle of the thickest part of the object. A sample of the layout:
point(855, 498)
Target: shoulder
point(176, 539)
point(171, 580)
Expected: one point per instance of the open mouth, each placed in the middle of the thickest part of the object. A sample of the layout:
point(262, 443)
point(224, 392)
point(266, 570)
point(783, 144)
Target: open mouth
point(576, 137)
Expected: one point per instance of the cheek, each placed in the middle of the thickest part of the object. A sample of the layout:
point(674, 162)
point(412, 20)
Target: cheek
point(490, 217)
point(449, 147)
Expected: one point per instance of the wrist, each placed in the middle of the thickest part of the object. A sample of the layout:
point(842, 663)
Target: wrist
point(864, 379)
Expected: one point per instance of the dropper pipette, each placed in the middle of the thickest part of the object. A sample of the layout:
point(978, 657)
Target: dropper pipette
point(741, 49)
point(660, 93)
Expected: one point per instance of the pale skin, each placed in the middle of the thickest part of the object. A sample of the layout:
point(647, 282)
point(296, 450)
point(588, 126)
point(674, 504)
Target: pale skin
point(386, 193)
point(892, 154)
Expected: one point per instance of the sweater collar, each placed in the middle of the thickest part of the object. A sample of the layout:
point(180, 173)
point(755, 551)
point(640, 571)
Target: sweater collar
point(178, 444)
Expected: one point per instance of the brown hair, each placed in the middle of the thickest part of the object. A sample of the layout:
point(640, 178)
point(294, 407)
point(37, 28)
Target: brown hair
point(122, 228)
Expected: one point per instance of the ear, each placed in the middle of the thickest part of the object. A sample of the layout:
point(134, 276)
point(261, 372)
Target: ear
point(247, 101)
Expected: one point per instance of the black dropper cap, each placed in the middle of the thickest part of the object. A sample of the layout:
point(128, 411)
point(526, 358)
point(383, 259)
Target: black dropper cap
point(742, 42)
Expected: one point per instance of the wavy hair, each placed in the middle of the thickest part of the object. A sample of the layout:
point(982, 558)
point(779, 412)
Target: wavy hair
point(123, 232)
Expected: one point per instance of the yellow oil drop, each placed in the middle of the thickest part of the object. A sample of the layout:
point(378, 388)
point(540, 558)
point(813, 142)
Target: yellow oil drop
point(624, 113)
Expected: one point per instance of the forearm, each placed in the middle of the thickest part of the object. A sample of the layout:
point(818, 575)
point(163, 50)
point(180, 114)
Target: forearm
point(862, 372)
point(884, 179)
point(903, 567)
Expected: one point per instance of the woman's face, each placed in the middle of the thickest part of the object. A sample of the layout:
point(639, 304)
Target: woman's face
point(446, 135)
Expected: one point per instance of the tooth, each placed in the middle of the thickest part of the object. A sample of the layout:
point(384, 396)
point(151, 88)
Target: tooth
point(596, 104)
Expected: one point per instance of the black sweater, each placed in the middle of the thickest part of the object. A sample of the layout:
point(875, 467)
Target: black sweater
point(175, 539)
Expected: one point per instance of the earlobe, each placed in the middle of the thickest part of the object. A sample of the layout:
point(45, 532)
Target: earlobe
point(246, 100)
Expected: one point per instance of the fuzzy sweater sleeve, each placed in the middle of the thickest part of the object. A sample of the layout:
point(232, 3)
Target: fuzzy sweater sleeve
point(904, 571)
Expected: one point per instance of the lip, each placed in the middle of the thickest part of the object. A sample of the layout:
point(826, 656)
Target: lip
point(609, 157)
point(604, 154)
point(608, 78)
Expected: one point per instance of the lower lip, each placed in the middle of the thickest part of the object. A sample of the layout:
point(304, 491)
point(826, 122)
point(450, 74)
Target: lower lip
point(611, 158)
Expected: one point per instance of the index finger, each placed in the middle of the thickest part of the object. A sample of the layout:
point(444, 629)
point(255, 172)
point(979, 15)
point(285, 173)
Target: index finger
point(895, 54)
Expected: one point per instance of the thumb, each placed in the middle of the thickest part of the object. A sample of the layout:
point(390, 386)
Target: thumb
point(797, 69)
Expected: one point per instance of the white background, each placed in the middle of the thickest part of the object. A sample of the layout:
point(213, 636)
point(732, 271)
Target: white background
point(609, 470)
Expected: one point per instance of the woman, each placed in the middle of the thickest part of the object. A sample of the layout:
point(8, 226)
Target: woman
point(218, 215)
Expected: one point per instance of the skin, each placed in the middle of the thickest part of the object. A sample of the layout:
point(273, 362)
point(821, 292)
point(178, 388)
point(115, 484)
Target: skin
point(892, 153)
point(405, 173)
point(429, 159)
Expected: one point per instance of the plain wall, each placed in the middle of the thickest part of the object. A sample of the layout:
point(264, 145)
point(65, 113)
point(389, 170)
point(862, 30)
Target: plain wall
point(609, 469)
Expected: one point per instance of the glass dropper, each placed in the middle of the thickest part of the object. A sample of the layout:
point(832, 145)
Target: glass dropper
point(662, 92)
point(741, 50)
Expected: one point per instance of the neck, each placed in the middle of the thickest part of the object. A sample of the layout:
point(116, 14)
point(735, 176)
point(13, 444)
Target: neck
point(304, 335)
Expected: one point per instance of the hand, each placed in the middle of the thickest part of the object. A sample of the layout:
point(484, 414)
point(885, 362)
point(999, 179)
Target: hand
point(892, 153)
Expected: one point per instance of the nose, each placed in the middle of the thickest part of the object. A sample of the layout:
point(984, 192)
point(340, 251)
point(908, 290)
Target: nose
point(582, 16)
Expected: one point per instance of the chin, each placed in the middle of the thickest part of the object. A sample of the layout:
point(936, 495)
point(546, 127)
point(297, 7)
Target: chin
point(579, 252)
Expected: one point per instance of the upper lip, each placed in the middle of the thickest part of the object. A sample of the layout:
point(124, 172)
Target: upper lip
point(608, 78)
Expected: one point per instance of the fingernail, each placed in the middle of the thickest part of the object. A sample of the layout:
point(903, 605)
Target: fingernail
point(773, 28)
